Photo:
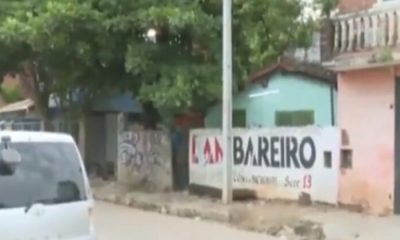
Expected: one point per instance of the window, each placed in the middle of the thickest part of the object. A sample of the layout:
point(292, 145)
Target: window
point(328, 159)
point(50, 173)
point(294, 118)
point(239, 118)
point(346, 159)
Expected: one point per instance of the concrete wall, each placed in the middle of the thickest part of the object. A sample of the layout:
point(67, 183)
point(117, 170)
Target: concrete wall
point(145, 159)
point(294, 92)
point(366, 113)
point(277, 163)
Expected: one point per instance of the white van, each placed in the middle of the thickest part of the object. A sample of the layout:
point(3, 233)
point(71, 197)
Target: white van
point(44, 189)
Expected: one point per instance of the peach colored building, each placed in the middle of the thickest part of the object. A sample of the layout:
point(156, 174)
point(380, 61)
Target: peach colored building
point(365, 41)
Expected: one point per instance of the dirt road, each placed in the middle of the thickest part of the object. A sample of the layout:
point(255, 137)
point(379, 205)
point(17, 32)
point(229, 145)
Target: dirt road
point(121, 223)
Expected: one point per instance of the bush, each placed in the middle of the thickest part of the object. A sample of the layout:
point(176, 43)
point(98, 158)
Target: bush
point(10, 95)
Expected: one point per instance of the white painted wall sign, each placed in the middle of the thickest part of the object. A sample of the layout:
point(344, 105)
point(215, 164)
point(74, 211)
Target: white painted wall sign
point(278, 163)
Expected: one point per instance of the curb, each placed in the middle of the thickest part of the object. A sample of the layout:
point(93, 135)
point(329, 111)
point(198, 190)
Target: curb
point(226, 217)
point(167, 209)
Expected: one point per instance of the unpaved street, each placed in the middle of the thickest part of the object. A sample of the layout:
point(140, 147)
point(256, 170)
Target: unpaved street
point(121, 223)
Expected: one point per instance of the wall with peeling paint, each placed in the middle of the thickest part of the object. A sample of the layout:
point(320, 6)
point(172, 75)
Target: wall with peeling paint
point(277, 163)
point(366, 114)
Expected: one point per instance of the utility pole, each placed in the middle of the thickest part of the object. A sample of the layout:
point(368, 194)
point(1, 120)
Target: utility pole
point(227, 102)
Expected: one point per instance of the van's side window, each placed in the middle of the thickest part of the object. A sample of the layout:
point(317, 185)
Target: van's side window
point(49, 173)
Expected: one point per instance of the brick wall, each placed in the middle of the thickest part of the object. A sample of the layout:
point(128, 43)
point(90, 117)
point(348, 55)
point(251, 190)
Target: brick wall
point(346, 6)
point(11, 82)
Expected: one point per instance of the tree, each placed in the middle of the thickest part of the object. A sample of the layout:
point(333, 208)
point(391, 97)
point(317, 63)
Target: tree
point(98, 46)
point(327, 6)
point(185, 62)
point(60, 47)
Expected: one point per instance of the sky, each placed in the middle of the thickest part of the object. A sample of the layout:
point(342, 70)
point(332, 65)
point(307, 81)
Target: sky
point(309, 10)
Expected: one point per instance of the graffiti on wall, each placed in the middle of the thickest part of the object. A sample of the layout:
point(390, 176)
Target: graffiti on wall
point(145, 157)
point(280, 163)
point(129, 153)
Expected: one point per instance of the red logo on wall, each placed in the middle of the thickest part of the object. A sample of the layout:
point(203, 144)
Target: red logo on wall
point(212, 151)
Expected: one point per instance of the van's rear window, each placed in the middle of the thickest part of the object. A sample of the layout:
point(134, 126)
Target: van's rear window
point(49, 173)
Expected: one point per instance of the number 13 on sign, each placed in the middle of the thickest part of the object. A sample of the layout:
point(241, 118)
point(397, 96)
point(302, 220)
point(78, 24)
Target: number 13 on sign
point(307, 182)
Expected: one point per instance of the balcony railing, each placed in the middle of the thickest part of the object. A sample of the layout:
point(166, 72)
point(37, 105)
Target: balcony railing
point(366, 31)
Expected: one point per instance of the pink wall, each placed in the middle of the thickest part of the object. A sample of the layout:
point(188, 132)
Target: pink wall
point(346, 6)
point(366, 112)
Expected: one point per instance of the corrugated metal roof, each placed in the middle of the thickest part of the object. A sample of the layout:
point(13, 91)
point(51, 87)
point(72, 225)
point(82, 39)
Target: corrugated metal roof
point(123, 102)
point(290, 65)
point(23, 105)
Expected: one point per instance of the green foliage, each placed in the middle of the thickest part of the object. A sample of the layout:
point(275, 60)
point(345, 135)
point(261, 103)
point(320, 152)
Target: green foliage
point(101, 45)
point(10, 95)
point(327, 6)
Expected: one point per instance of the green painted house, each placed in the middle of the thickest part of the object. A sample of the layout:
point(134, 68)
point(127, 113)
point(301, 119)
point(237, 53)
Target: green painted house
point(286, 93)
